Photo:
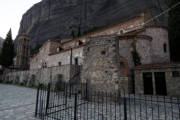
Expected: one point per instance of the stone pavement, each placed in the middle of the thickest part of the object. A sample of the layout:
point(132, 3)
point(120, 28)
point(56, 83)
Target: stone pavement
point(17, 103)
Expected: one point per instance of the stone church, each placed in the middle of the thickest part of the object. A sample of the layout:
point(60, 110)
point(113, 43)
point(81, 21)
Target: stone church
point(111, 59)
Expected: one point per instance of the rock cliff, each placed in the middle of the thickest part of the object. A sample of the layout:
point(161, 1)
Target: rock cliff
point(55, 19)
point(1, 43)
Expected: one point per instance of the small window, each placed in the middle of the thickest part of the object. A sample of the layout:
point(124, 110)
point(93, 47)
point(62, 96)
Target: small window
point(175, 74)
point(59, 63)
point(103, 52)
point(165, 47)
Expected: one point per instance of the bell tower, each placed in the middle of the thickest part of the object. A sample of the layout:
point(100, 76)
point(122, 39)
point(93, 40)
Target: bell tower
point(23, 52)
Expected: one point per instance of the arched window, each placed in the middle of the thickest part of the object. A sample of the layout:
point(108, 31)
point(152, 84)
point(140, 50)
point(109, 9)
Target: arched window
point(59, 63)
point(165, 47)
point(121, 31)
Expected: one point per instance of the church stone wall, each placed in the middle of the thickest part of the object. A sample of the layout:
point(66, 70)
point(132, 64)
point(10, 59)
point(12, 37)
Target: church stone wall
point(44, 56)
point(37, 61)
point(101, 63)
point(143, 47)
point(159, 38)
point(64, 57)
point(150, 47)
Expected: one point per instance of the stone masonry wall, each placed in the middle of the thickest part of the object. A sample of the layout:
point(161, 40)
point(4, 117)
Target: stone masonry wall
point(53, 60)
point(64, 57)
point(44, 76)
point(159, 38)
point(101, 63)
point(37, 61)
point(143, 47)
point(172, 83)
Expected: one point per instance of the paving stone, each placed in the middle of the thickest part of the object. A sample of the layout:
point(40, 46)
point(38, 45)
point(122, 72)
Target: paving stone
point(13, 96)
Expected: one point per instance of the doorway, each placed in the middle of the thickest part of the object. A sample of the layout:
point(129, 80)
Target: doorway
point(160, 81)
point(76, 61)
point(148, 84)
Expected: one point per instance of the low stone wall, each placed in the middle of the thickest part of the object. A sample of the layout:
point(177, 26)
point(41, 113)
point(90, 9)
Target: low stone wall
point(43, 76)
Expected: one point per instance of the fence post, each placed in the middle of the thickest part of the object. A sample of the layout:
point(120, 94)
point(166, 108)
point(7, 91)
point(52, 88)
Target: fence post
point(41, 114)
point(48, 95)
point(87, 92)
point(75, 107)
point(66, 94)
point(70, 90)
point(37, 100)
point(64, 88)
point(179, 107)
point(119, 98)
point(125, 109)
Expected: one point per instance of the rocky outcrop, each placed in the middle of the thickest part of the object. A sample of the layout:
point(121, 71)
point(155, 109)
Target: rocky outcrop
point(55, 19)
point(1, 43)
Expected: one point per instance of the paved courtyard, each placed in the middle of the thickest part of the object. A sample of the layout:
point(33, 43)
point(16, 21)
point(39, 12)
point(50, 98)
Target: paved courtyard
point(17, 103)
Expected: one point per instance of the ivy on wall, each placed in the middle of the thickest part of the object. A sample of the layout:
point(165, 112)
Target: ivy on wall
point(135, 54)
point(136, 57)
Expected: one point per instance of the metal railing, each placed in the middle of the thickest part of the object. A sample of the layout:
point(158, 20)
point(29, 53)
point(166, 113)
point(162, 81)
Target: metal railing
point(84, 104)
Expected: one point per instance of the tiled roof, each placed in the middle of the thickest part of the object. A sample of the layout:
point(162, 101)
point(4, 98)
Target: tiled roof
point(158, 65)
point(103, 29)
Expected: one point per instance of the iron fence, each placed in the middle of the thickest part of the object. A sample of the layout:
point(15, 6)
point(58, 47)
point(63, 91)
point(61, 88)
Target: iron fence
point(83, 104)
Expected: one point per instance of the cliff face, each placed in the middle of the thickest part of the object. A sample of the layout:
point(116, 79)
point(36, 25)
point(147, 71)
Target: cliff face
point(1, 43)
point(55, 19)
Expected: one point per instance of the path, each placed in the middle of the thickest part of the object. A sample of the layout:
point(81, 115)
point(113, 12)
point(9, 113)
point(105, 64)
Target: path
point(17, 103)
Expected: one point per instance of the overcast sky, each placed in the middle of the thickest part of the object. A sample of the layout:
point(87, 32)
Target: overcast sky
point(11, 12)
